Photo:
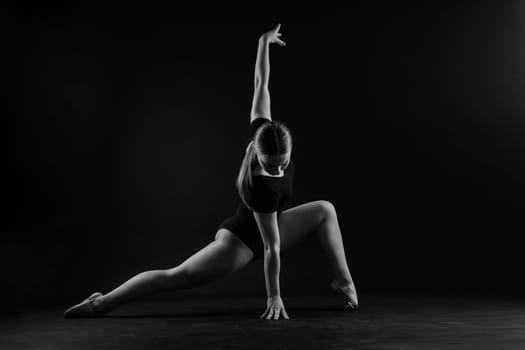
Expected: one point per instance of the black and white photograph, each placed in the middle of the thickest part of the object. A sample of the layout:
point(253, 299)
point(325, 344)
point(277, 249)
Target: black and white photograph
point(351, 178)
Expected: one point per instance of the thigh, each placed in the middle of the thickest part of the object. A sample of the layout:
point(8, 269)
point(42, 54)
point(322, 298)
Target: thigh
point(297, 222)
point(220, 257)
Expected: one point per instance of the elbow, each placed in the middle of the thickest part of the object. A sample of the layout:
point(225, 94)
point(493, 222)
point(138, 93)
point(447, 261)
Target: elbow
point(260, 84)
point(274, 248)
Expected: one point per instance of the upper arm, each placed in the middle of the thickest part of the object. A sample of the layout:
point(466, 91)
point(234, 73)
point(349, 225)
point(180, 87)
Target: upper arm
point(268, 227)
point(261, 103)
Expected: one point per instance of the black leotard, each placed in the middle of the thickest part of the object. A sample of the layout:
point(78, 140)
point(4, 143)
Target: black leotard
point(270, 194)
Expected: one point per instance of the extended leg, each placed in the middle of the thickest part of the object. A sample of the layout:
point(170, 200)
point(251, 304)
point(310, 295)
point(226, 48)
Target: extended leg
point(140, 285)
point(217, 259)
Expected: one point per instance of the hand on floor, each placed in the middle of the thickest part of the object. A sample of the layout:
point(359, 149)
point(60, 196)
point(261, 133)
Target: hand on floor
point(274, 308)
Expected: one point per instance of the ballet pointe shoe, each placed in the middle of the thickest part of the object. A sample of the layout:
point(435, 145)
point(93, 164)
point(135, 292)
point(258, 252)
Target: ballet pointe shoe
point(87, 308)
point(348, 292)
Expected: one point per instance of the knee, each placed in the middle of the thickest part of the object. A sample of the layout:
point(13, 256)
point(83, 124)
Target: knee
point(327, 208)
point(177, 278)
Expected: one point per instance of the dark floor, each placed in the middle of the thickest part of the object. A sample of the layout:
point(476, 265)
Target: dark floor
point(316, 322)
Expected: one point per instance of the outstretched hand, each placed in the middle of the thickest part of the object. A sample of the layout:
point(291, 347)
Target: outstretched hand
point(274, 308)
point(273, 35)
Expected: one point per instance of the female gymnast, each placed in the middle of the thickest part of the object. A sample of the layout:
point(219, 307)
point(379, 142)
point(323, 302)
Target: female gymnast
point(259, 229)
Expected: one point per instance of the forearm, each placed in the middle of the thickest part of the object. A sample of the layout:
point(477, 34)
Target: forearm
point(261, 94)
point(272, 267)
point(262, 63)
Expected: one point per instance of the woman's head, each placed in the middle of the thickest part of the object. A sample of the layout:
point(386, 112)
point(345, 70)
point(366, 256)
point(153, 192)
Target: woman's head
point(271, 149)
point(272, 144)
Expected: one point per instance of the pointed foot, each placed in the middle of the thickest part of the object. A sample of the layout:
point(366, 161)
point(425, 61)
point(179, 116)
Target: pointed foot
point(348, 292)
point(89, 307)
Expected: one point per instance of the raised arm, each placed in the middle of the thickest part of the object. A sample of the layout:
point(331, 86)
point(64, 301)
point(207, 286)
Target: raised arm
point(261, 93)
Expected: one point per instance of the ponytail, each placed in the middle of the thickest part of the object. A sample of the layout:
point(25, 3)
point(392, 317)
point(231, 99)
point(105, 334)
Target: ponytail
point(245, 179)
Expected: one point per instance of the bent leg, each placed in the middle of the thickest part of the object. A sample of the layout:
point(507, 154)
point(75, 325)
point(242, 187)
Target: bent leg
point(320, 218)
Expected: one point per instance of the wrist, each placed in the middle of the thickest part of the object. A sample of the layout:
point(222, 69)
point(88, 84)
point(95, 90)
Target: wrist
point(263, 39)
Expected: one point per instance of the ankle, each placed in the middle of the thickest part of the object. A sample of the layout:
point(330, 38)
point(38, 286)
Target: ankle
point(100, 305)
point(344, 281)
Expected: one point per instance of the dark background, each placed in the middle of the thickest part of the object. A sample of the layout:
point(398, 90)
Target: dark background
point(125, 129)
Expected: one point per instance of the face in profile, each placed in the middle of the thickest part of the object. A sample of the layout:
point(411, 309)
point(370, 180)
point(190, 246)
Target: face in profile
point(275, 164)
